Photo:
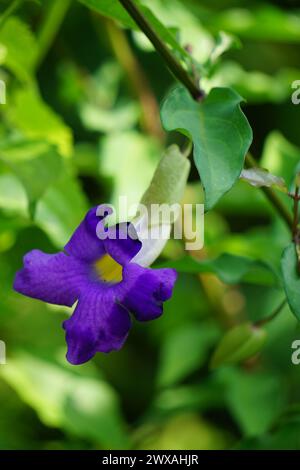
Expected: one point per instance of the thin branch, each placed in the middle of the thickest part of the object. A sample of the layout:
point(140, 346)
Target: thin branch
point(173, 64)
point(181, 74)
point(271, 195)
point(273, 315)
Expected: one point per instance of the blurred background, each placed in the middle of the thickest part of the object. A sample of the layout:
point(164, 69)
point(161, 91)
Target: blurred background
point(80, 127)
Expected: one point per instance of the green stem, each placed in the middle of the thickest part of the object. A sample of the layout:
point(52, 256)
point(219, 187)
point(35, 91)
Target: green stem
point(173, 64)
point(9, 11)
point(49, 28)
point(271, 317)
point(272, 196)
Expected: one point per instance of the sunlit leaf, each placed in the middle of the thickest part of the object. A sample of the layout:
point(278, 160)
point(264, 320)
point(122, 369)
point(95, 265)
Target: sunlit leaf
point(185, 431)
point(130, 158)
point(37, 120)
point(61, 209)
point(17, 47)
point(36, 164)
point(12, 194)
point(83, 406)
point(280, 157)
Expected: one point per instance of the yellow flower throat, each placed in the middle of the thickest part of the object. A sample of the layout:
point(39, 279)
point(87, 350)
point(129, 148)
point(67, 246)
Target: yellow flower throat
point(108, 269)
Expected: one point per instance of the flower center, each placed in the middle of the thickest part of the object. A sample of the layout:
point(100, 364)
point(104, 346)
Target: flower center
point(108, 269)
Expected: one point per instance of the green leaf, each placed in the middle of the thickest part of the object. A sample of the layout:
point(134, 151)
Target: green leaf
point(17, 48)
point(36, 164)
point(203, 396)
point(86, 407)
point(37, 120)
point(185, 431)
point(220, 132)
point(255, 400)
point(231, 269)
point(184, 351)
point(259, 177)
point(96, 119)
point(61, 209)
point(113, 9)
point(12, 194)
point(291, 278)
point(238, 344)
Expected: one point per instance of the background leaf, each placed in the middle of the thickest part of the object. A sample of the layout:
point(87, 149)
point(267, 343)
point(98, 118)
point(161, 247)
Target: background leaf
point(83, 406)
point(185, 351)
point(238, 344)
point(229, 268)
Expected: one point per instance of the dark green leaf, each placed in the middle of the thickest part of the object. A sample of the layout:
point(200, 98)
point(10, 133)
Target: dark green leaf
point(254, 399)
point(291, 278)
point(220, 132)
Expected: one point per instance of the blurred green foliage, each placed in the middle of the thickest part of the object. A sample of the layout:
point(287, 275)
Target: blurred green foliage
point(80, 127)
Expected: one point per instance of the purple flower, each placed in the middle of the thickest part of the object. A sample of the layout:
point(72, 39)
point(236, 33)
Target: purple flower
point(100, 275)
